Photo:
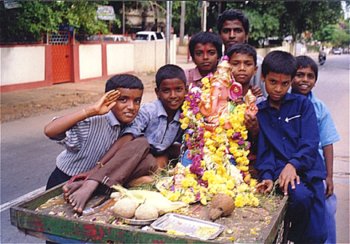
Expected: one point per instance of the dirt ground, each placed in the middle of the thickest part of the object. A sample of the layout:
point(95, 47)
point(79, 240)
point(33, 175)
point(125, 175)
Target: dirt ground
point(26, 103)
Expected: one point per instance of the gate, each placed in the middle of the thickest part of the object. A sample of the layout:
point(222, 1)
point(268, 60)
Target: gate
point(61, 55)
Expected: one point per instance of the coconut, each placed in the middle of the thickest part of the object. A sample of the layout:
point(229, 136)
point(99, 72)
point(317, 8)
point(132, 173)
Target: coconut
point(146, 211)
point(221, 205)
point(125, 208)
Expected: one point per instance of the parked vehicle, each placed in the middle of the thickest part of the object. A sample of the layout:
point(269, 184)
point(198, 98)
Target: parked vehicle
point(108, 38)
point(337, 50)
point(149, 36)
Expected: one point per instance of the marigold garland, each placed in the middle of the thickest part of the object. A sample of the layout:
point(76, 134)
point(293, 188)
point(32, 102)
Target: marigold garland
point(219, 158)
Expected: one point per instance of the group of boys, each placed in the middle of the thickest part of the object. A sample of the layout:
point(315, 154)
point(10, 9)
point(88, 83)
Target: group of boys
point(118, 141)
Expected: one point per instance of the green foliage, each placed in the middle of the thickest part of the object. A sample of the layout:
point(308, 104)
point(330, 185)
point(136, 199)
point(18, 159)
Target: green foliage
point(36, 18)
point(193, 16)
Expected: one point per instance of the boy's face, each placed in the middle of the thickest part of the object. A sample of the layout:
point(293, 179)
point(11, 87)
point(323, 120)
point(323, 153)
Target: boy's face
point(277, 86)
point(128, 105)
point(205, 57)
point(304, 80)
point(243, 67)
point(232, 32)
point(172, 94)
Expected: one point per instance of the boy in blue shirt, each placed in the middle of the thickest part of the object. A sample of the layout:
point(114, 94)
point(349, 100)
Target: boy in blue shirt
point(303, 82)
point(288, 150)
point(159, 123)
point(206, 50)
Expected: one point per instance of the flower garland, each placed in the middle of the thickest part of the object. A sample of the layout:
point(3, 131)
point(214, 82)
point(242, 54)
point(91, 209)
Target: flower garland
point(219, 156)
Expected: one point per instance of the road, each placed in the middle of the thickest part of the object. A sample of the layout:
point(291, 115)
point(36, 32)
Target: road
point(28, 157)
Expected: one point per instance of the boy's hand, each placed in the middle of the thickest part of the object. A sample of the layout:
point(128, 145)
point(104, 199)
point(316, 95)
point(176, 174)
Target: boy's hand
point(265, 186)
point(329, 186)
point(105, 104)
point(257, 91)
point(288, 176)
point(251, 123)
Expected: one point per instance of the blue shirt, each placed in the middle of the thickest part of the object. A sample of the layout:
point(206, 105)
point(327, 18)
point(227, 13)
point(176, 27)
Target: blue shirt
point(152, 122)
point(289, 135)
point(86, 143)
point(328, 132)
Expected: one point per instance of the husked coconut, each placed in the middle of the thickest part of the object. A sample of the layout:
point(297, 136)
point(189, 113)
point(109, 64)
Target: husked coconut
point(222, 205)
point(125, 208)
point(146, 211)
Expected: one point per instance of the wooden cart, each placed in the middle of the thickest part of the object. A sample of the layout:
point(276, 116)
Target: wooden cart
point(245, 225)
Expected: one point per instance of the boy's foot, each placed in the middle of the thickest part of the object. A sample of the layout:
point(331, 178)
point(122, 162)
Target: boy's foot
point(79, 198)
point(71, 187)
point(141, 180)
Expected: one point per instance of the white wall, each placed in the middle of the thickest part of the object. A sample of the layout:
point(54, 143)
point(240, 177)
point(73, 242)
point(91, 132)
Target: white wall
point(22, 64)
point(90, 60)
point(120, 58)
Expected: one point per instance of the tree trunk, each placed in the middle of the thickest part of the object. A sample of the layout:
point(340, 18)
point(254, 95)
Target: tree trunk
point(182, 22)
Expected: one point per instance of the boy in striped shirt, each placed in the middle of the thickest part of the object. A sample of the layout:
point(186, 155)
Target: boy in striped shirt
point(88, 133)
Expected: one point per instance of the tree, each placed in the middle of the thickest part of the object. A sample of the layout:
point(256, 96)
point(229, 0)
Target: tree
point(36, 18)
point(284, 18)
point(301, 16)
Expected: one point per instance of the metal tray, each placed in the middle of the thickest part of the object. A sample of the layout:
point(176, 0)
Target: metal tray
point(193, 227)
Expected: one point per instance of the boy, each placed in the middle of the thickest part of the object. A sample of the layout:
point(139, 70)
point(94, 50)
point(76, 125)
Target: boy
point(206, 50)
point(159, 122)
point(303, 82)
point(88, 134)
point(233, 28)
point(242, 57)
point(243, 60)
point(288, 150)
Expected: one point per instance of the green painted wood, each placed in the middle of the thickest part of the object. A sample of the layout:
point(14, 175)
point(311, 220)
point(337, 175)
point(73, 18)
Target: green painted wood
point(28, 220)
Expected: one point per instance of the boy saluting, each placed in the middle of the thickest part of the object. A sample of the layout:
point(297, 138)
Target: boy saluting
point(288, 150)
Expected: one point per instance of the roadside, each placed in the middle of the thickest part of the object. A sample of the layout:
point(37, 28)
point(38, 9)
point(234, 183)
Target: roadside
point(27, 103)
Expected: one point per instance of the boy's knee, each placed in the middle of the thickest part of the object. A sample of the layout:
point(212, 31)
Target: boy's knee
point(300, 197)
point(140, 142)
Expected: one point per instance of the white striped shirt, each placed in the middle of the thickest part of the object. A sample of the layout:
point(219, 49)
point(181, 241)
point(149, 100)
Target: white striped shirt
point(87, 142)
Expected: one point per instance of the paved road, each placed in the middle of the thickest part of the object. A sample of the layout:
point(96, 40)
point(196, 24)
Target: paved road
point(27, 156)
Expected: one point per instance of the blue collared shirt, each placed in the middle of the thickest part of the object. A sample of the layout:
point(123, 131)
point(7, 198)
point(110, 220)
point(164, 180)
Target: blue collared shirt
point(152, 122)
point(328, 132)
point(289, 135)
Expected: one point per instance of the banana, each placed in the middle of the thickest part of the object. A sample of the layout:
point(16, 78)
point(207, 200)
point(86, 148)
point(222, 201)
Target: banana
point(153, 198)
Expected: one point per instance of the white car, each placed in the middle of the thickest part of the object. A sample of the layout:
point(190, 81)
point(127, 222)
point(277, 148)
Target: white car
point(149, 36)
point(336, 51)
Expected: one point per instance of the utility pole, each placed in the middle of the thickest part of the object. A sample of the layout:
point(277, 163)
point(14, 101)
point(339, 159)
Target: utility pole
point(167, 32)
point(204, 16)
point(123, 18)
point(182, 22)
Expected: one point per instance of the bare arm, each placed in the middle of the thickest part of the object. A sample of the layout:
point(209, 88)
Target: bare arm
point(57, 127)
point(328, 157)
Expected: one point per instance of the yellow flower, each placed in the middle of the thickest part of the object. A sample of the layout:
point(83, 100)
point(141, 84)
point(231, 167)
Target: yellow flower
point(184, 126)
point(239, 201)
point(207, 134)
point(173, 196)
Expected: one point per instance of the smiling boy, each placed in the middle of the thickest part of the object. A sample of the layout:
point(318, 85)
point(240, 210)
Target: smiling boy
point(303, 83)
point(159, 123)
point(288, 150)
point(88, 133)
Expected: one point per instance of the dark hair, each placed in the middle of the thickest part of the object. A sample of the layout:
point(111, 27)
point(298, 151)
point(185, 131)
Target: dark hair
point(203, 38)
point(279, 62)
point(242, 48)
point(233, 14)
point(305, 61)
point(170, 71)
point(123, 81)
